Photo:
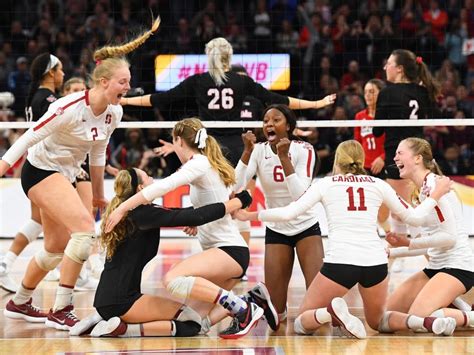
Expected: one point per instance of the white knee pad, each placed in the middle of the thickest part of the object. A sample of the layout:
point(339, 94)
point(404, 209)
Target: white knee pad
point(439, 313)
point(48, 261)
point(244, 226)
point(31, 230)
point(79, 246)
point(384, 327)
point(298, 327)
point(181, 286)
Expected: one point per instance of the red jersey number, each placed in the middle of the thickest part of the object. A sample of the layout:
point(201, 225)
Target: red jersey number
point(278, 175)
point(361, 204)
point(95, 134)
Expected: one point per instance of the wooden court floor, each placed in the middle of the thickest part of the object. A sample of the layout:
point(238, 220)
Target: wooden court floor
point(19, 337)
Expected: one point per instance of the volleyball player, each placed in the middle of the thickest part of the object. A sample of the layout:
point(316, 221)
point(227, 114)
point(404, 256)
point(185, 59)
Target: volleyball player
point(373, 146)
point(208, 275)
point(130, 246)
point(284, 166)
point(450, 270)
point(411, 94)
point(74, 126)
point(219, 94)
point(46, 79)
point(355, 254)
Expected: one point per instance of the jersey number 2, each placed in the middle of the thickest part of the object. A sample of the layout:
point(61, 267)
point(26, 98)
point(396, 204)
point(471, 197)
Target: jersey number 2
point(218, 102)
point(352, 206)
point(414, 111)
point(94, 133)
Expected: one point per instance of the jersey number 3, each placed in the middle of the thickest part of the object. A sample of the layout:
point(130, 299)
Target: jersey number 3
point(352, 206)
point(220, 99)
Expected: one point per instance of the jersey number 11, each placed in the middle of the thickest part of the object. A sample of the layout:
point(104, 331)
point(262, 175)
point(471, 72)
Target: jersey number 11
point(352, 206)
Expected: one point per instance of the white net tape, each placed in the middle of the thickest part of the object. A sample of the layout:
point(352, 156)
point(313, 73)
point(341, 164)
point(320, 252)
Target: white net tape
point(258, 124)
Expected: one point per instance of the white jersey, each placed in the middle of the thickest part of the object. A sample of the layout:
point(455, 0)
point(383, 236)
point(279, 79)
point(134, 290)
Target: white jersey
point(278, 189)
point(206, 187)
point(65, 134)
point(446, 220)
point(352, 203)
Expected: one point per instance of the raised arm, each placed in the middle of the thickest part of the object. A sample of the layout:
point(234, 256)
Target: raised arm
point(298, 177)
point(53, 120)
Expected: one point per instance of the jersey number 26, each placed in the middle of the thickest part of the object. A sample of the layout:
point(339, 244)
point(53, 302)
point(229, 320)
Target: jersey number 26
point(221, 99)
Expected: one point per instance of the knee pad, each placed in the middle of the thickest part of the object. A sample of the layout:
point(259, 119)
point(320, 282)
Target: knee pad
point(48, 261)
point(31, 230)
point(384, 327)
point(298, 327)
point(181, 286)
point(79, 246)
point(244, 226)
point(439, 313)
point(398, 226)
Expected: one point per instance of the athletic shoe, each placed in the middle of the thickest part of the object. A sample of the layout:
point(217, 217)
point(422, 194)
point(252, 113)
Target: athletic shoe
point(53, 275)
point(260, 296)
point(113, 327)
point(6, 282)
point(62, 319)
point(282, 316)
point(86, 325)
point(341, 317)
point(243, 322)
point(24, 311)
point(440, 326)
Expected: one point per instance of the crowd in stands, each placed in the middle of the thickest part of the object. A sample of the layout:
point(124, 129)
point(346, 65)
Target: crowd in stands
point(335, 47)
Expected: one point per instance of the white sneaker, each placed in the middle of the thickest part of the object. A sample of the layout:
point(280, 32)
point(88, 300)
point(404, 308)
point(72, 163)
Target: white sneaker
point(440, 326)
point(342, 318)
point(53, 275)
point(6, 282)
point(86, 325)
point(112, 328)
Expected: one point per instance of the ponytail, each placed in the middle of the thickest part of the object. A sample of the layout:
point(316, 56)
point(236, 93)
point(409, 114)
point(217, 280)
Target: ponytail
point(219, 56)
point(38, 70)
point(192, 131)
point(416, 71)
point(109, 57)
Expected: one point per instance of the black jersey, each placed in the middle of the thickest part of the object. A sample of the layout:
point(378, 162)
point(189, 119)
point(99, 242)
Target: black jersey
point(120, 281)
point(401, 101)
point(218, 103)
point(39, 104)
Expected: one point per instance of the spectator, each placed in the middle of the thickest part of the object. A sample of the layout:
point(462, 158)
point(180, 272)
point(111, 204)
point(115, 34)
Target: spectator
point(437, 19)
point(18, 82)
point(129, 154)
point(287, 38)
point(451, 163)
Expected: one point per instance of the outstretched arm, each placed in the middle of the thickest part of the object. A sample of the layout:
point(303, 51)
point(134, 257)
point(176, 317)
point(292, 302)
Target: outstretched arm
point(298, 104)
point(136, 101)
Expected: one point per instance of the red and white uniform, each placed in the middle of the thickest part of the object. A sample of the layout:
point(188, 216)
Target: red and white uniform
point(444, 236)
point(206, 187)
point(373, 146)
point(65, 134)
point(279, 190)
point(352, 203)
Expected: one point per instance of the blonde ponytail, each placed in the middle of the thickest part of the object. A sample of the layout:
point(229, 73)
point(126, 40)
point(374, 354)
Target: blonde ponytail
point(219, 56)
point(187, 129)
point(110, 57)
point(123, 190)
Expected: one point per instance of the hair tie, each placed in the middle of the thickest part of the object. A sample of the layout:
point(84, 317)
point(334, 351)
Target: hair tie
point(419, 60)
point(98, 62)
point(201, 137)
point(133, 174)
point(53, 61)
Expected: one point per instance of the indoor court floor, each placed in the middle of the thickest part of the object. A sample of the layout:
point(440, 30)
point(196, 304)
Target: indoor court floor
point(19, 337)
